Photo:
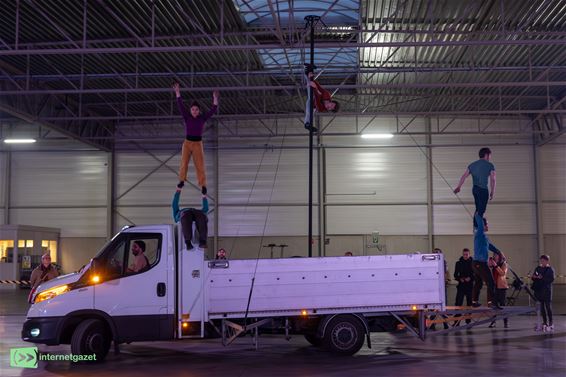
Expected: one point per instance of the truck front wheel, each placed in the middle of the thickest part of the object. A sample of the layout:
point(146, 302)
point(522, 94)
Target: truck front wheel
point(91, 337)
point(344, 335)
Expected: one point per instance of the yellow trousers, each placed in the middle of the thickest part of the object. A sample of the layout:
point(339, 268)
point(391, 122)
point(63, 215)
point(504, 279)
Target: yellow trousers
point(196, 150)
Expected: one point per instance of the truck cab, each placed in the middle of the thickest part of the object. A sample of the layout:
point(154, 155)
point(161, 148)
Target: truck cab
point(108, 299)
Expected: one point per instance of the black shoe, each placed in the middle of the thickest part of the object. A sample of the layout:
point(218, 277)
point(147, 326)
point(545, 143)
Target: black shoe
point(203, 190)
point(492, 325)
point(181, 184)
point(310, 128)
point(494, 306)
point(476, 304)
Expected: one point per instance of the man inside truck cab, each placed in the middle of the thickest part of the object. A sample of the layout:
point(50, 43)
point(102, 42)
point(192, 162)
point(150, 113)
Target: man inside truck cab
point(140, 262)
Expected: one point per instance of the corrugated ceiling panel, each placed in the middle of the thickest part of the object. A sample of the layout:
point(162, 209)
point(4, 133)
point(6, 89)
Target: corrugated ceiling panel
point(553, 172)
point(59, 179)
point(513, 164)
point(75, 222)
point(452, 219)
point(387, 220)
point(395, 175)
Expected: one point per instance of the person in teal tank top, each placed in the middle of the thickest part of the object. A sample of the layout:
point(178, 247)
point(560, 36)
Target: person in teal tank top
point(481, 171)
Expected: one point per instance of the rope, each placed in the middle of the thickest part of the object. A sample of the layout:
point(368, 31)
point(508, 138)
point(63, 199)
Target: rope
point(264, 227)
point(440, 174)
point(247, 202)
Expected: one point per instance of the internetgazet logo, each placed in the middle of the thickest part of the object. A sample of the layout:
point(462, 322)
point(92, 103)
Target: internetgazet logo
point(30, 356)
point(24, 357)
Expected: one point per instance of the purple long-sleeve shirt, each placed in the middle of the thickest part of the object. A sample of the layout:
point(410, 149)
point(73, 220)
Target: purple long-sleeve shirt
point(194, 126)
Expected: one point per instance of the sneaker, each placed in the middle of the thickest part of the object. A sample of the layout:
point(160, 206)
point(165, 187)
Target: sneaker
point(476, 304)
point(492, 325)
point(549, 328)
point(539, 328)
point(181, 184)
point(203, 190)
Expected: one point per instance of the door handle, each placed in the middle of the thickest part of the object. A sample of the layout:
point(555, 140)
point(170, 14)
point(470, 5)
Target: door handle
point(161, 289)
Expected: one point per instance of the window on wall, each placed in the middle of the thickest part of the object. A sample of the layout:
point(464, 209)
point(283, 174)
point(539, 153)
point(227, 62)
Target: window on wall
point(25, 247)
point(49, 247)
point(6, 251)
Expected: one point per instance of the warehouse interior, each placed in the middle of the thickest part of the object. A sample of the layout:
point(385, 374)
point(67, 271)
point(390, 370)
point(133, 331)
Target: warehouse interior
point(422, 86)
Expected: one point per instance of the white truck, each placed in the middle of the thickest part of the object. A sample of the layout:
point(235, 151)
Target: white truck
point(332, 301)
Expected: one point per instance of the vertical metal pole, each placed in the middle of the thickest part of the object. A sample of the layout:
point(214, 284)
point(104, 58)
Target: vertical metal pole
point(110, 193)
point(216, 192)
point(429, 187)
point(538, 198)
point(8, 176)
point(311, 22)
point(321, 199)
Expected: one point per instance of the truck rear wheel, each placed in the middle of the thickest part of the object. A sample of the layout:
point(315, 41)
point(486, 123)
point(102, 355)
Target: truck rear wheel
point(313, 339)
point(91, 337)
point(344, 335)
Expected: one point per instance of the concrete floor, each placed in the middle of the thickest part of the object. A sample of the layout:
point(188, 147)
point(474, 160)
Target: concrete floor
point(517, 351)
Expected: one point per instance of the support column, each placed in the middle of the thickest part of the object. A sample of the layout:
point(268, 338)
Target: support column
point(110, 194)
point(429, 188)
point(321, 197)
point(539, 204)
point(7, 186)
point(217, 193)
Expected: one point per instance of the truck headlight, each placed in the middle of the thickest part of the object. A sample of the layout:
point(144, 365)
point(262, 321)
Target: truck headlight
point(50, 293)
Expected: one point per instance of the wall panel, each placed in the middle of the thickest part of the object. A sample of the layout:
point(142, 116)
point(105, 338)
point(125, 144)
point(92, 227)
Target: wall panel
point(396, 175)
point(73, 222)
point(452, 219)
point(58, 179)
point(386, 219)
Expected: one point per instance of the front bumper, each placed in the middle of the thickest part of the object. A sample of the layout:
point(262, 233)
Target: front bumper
point(48, 330)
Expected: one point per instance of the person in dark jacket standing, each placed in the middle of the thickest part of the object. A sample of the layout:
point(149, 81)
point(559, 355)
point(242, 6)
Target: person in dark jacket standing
point(464, 275)
point(542, 286)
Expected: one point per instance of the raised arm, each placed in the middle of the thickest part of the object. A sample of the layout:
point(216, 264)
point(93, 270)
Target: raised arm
point(462, 180)
point(175, 204)
point(492, 247)
point(212, 111)
point(204, 204)
point(492, 184)
point(180, 104)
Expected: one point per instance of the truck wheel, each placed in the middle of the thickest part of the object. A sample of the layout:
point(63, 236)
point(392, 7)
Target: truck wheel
point(344, 335)
point(313, 339)
point(91, 337)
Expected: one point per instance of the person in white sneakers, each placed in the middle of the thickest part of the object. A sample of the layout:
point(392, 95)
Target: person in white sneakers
point(542, 278)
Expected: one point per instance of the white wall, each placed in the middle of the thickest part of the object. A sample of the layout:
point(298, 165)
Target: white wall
point(68, 189)
point(64, 190)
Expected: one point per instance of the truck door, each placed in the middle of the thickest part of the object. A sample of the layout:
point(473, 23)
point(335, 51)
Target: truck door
point(133, 287)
